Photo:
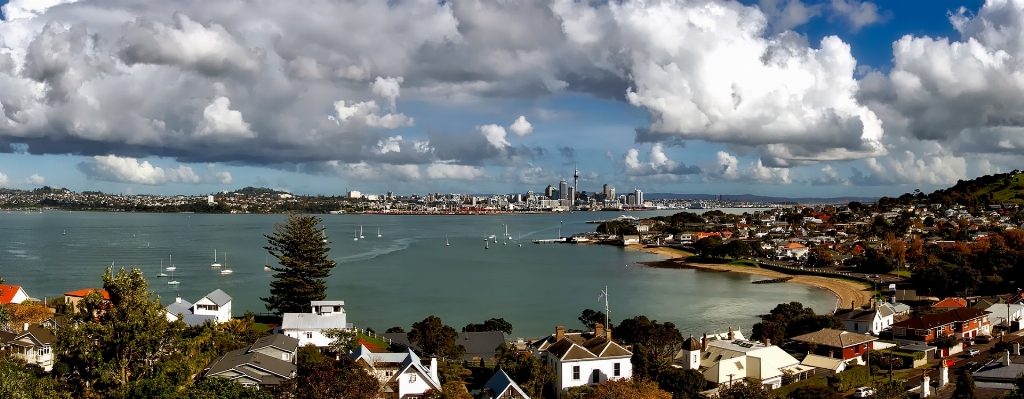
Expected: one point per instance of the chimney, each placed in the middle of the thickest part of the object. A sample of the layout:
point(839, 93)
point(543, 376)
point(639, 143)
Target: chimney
point(1005, 358)
point(433, 369)
point(559, 333)
point(767, 342)
point(732, 335)
point(598, 330)
point(25, 328)
point(853, 305)
point(177, 299)
point(704, 342)
point(608, 334)
point(1016, 348)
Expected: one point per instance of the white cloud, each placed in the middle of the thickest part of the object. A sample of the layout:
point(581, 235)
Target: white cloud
point(529, 175)
point(367, 171)
point(909, 168)
point(495, 136)
point(35, 180)
point(4, 181)
point(209, 49)
point(454, 172)
point(657, 163)
point(129, 170)
point(221, 121)
point(726, 167)
point(389, 88)
point(830, 177)
point(521, 127)
point(367, 114)
point(788, 14)
point(858, 13)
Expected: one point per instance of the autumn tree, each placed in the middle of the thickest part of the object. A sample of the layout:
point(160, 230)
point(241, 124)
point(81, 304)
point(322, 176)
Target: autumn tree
point(436, 338)
point(819, 256)
point(303, 264)
point(27, 313)
point(627, 388)
point(527, 370)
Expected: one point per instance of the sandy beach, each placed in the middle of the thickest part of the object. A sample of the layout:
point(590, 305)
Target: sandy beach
point(847, 291)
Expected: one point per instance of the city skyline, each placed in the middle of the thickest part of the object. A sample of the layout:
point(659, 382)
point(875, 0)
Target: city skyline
point(788, 98)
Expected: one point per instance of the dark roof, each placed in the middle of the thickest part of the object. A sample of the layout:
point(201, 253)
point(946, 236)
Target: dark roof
point(271, 369)
point(834, 338)
point(499, 384)
point(934, 320)
point(479, 345)
point(219, 297)
point(581, 346)
point(279, 341)
point(855, 314)
point(692, 344)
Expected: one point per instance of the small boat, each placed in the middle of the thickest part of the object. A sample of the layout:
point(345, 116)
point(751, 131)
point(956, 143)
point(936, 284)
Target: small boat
point(446, 242)
point(226, 270)
point(161, 274)
point(355, 236)
point(171, 268)
point(325, 233)
point(266, 266)
point(487, 245)
point(378, 232)
point(172, 280)
point(215, 264)
point(520, 240)
point(360, 231)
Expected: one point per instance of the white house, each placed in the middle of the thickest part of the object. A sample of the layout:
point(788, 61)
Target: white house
point(723, 362)
point(403, 375)
point(501, 386)
point(1002, 312)
point(866, 321)
point(584, 358)
point(32, 344)
point(309, 328)
point(216, 303)
point(792, 250)
point(12, 294)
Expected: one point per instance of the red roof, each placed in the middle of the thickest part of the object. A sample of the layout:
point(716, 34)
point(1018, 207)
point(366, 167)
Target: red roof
point(794, 245)
point(929, 321)
point(85, 291)
point(7, 293)
point(951, 303)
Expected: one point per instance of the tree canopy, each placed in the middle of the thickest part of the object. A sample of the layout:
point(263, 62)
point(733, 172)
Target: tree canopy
point(436, 338)
point(493, 324)
point(303, 265)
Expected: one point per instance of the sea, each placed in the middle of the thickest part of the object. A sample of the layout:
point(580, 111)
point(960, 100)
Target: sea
point(400, 275)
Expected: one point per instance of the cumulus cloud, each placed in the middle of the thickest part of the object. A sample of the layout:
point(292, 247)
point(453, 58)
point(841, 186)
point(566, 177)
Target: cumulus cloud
point(788, 14)
point(521, 126)
point(454, 172)
point(657, 163)
point(220, 120)
point(495, 135)
point(859, 13)
point(830, 177)
point(726, 167)
point(35, 180)
point(188, 44)
point(367, 113)
point(4, 181)
point(389, 88)
point(364, 171)
point(909, 168)
point(129, 170)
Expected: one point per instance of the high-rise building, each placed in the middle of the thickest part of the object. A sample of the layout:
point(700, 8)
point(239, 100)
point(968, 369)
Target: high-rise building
point(549, 192)
point(638, 197)
point(575, 182)
point(606, 192)
point(611, 194)
point(563, 190)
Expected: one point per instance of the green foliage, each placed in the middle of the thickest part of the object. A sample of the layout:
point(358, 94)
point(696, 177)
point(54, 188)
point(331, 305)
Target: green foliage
point(617, 227)
point(1018, 391)
point(342, 341)
point(747, 389)
point(324, 377)
point(808, 324)
point(682, 384)
point(814, 392)
point(527, 370)
point(890, 390)
point(708, 246)
point(436, 338)
point(819, 256)
point(582, 391)
point(395, 330)
point(301, 250)
point(591, 317)
point(788, 320)
point(19, 382)
point(851, 378)
point(489, 325)
point(5, 319)
point(220, 388)
point(965, 388)
point(946, 341)
point(898, 359)
point(662, 340)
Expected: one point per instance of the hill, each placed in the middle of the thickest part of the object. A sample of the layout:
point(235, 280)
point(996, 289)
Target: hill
point(757, 198)
point(999, 188)
point(258, 191)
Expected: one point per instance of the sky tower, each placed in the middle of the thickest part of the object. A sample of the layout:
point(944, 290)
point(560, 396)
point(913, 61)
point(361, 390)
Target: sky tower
point(575, 182)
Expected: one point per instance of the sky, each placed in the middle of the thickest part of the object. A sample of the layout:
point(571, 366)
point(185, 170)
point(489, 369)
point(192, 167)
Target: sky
point(789, 98)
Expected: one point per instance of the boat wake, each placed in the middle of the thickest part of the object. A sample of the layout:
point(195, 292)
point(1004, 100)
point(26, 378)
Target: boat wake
point(377, 251)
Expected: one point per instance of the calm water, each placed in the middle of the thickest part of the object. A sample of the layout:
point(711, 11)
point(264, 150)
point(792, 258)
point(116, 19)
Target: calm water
point(399, 278)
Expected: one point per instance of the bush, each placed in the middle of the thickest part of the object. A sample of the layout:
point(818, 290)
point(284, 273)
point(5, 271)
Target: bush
point(850, 379)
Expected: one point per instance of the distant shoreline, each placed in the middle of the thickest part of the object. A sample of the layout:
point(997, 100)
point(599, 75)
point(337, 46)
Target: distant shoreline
point(845, 291)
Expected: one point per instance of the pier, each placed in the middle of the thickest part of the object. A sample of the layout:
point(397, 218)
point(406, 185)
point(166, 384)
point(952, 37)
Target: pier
point(774, 280)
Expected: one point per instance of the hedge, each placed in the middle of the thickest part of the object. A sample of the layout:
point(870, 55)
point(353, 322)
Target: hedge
point(907, 358)
point(851, 378)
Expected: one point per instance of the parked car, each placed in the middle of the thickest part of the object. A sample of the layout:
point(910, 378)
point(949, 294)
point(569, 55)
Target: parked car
point(983, 339)
point(972, 366)
point(973, 352)
point(863, 392)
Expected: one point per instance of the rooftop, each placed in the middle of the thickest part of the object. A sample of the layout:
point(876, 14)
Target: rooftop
point(934, 320)
point(834, 338)
point(85, 291)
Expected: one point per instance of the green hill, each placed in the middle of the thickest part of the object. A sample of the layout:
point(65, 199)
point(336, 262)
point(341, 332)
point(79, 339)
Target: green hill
point(1000, 188)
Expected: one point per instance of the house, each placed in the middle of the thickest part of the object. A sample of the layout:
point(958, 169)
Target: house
point(12, 294)
point(1000, 374)
point(501, 386)
point(71, 299)
point(823, 364)
point(402, 375)
point(585, 358)
point(309, 328)
point(630, 240)
point(723, 362)
point(215, 307)
point(950, 303)
point(1008, 311)
point(480, 346)
point(961, 323)
point(266, 363)
point(845, 345)
point(871, 321)
point(792, 250)
point(32, 345)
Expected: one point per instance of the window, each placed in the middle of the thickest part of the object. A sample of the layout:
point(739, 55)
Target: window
point(922, 332)
point(412, 378)
point(575, 372)
point(309, 335)
point(618, 370)
point(43, 351)
point(856, 326)
point(595, 376)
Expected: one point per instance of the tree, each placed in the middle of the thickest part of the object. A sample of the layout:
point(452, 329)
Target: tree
point(527, 370)
point(890, 390)
point(746, 389)
point(1018, 392)
point(819, 256)
point(23, 313)
point(661, 339)
point(395, 330)
point(489, 325)
point(110, 348)
point(808, 324)
point(342, 341)
point(301, 250)
point(774, 325)
point(591, 317)
point(964, 386)
point(436, 338)
point(324, 377)
point(814, 392)
point(221, 388)
point(708, 246)
point(627, 388)
point(682, 384)
point(946, 341)
point(19, 382)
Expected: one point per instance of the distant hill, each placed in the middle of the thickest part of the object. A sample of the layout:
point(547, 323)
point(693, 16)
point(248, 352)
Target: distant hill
point(257, 191)
point(757, 198)
point(999, 188)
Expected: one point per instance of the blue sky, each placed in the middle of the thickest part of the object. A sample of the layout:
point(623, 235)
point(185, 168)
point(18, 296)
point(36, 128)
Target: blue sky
point(194, 97)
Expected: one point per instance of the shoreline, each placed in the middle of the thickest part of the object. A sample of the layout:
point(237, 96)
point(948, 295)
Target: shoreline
point(845, 291)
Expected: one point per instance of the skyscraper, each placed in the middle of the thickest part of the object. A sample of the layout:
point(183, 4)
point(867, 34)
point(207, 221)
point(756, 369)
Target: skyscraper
point(606, 192)
point(549, 192)
point(575, 182)
point(639, 197)
point(563, 190)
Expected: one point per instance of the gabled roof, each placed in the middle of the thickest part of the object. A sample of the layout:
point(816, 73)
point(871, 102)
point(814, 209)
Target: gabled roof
point(218, 297)
point(38, 334)
point(83, 292)
point(589, 346)
point(834, 338)
point(183, 307)
point(794, 245)
point(268, 370)
point(856, 314)
point(822, 362)
point(413, 363)
point(934, 320)
point(279, 341)
point(7, 293)
point(499, 385)
point(951, 303)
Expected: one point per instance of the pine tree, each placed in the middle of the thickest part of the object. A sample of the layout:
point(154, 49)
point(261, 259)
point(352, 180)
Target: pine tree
point(301, 250)
point(965, 387)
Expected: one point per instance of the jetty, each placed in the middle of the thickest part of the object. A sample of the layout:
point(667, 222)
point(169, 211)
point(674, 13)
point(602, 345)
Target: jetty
point(774, 280)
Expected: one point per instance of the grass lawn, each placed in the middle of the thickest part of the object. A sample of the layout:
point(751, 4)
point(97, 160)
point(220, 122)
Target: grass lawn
point(375, 341)
point(748, 263)
point(261, 327)
point(902, 273)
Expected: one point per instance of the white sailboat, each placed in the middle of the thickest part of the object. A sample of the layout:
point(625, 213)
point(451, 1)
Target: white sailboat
point(446, 242)
point(378, 232)
point(215, 264)
point(520, 240)
point(226, 270)
point(266, 266)
point(487, 245)
point(355, 236)
point(171, 268)
point(360, 231)
point(172, 281)
point(162, 274)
